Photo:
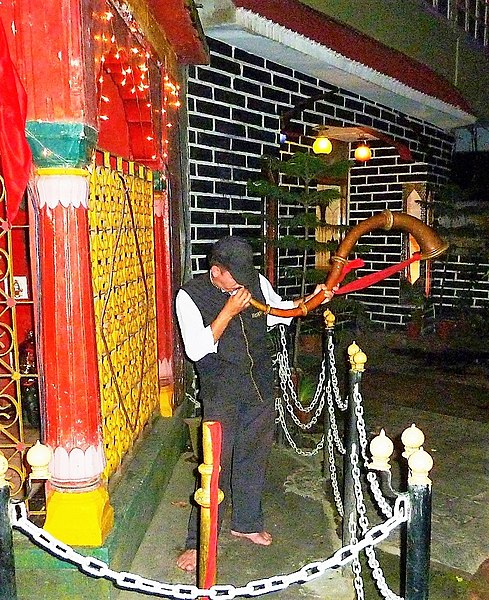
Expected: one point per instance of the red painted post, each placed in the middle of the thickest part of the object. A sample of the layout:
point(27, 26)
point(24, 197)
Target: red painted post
point(78, 511)
point(164, 299)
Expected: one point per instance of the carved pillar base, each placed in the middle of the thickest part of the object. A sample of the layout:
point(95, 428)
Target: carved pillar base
point(79, 518)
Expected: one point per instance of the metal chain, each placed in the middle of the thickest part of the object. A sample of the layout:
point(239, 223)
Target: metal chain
point(97, 568)
point(342, 404)
point(382, 503)
point(355, 565)
point(193, 400)
point(334, 477)
point(332, 421)
point(381, 500)
point(363, 522)
point(281, 419)
point(362, 433)
point(287, 384)
point(289, 393)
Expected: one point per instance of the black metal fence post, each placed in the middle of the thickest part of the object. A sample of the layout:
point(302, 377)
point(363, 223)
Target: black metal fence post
point(8, 590)
point(328, 333)
point(418, 534)
point(351, 437)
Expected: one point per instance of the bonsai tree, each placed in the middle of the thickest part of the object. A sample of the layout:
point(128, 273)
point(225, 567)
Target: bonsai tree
point(300, 176)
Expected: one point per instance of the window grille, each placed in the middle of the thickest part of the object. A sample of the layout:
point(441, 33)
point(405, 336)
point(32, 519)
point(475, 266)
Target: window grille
point(470, 15)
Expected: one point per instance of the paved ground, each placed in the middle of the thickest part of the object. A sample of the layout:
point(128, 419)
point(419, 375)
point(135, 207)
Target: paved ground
point(400, 387)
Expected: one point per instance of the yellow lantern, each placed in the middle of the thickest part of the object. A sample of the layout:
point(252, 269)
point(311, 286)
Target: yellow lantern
point(322, 144)
point(363, 152)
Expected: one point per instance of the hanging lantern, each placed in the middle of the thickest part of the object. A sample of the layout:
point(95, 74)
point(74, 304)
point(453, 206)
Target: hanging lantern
point(322, 144)
point(363, 152)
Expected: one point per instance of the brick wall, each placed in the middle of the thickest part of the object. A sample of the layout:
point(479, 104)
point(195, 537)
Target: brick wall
point(234, 108)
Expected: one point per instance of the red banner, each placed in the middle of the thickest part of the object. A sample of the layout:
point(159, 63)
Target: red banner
point(15, 152)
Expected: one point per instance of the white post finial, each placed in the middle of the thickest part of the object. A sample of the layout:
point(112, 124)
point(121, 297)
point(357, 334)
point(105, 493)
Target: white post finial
point(329, 319)
point(381, 448)
point(358, 361)
point(39, 457)
point(413, 439)
point(353, 348)
point(420, 464)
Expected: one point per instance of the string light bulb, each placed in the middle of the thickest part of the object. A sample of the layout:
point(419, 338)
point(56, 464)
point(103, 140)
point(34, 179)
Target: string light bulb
point(363, 153)
point(322, 144)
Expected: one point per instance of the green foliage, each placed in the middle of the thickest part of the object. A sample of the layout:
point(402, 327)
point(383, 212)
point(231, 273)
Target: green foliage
point(309, 167)
point(307, 389)
point(462, 221)
point(300, 175)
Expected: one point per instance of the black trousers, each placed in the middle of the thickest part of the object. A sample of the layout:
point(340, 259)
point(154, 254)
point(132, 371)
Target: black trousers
point(247, 437)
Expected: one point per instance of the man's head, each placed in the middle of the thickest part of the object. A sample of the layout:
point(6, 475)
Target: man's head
point(236, 256)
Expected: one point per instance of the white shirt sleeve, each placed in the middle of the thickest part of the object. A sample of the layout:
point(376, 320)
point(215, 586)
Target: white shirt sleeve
point(197, 339)
point(275, 301)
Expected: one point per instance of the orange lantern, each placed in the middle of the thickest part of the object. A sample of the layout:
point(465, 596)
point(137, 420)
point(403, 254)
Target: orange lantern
point(363, 152)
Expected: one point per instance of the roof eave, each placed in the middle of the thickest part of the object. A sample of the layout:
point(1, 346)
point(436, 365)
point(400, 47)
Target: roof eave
point(258, 35)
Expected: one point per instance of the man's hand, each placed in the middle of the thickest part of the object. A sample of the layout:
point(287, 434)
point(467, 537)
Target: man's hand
point(237, 301)
point(321, 288)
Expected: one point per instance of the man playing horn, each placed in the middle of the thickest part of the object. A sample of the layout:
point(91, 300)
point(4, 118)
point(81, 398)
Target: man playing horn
point(225, 338)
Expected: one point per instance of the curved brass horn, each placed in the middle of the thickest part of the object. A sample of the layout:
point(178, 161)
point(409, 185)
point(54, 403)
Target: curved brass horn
point(430, 243)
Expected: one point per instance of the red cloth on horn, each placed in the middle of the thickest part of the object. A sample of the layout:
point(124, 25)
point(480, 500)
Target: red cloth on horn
point(15, 152)
point(367, 280)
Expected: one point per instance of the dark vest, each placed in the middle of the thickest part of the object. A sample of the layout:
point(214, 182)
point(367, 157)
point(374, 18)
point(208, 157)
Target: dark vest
point(243, 362)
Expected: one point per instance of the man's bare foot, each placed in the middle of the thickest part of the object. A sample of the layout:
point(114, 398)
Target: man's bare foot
point(262, 538)
point(187, 561)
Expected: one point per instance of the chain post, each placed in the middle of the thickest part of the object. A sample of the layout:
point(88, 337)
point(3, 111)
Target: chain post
point(328, 333)
point(357, 362)
point(8, 590)
point(211, 434)
point(418, 536)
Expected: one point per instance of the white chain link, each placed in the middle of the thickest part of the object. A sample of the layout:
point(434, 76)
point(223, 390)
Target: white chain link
point(332, 420)
point(381, 500)
point(125, 580)
point(362, 433)
point(289, 393)
point(363, 522)
point(342, 404)
point(334, 476)
point(355, 565)
point(283, 423)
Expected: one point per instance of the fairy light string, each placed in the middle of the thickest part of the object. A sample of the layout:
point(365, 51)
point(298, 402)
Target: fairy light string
point(129, 61)
point(144, 83)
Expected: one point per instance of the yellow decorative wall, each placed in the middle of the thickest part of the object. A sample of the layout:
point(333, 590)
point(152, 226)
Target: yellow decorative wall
point(122, 253)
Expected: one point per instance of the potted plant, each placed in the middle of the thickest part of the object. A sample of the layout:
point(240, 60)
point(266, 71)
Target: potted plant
point(306, 388)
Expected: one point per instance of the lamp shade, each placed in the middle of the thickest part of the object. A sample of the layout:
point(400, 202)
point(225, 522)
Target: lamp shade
point(322, 145)
point(363, 152)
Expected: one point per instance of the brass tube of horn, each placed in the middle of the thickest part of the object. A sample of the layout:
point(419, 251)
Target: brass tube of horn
point(430, 243)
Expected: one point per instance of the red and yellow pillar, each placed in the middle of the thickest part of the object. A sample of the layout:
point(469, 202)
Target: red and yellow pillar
point(78, 507)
